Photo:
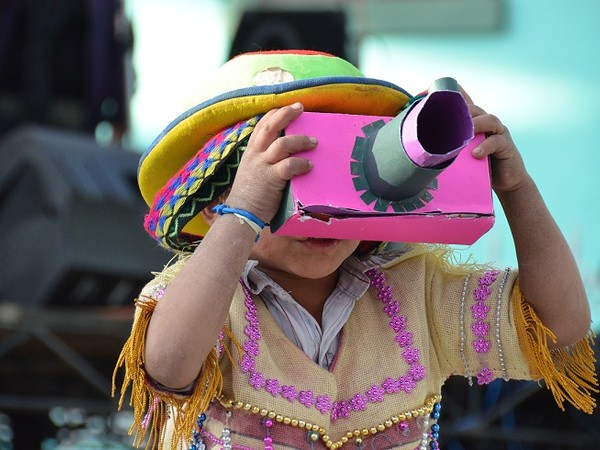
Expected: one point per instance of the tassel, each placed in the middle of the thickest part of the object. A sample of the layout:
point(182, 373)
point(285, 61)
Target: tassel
point(131, 357)
point(151, 405)
point(569, 373)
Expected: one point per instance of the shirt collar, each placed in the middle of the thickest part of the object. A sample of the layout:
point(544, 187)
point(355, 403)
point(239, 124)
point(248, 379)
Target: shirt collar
point(257, 280)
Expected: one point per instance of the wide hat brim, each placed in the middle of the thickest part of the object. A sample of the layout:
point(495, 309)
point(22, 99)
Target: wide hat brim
point(322, 83)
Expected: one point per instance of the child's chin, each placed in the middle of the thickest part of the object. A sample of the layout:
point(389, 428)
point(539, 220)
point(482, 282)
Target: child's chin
point(323, 243)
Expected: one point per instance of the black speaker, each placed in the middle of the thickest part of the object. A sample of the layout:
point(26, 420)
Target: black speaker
point(64, 63)
point(71, 218)
point(292, 30)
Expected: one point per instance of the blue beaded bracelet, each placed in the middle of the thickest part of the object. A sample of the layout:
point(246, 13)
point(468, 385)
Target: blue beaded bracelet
point(245, 217)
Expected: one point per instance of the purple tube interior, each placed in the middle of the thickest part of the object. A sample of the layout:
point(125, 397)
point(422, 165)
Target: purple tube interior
point(444, 123)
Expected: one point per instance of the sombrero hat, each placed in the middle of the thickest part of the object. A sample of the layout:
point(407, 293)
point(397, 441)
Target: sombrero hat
point(195, 158)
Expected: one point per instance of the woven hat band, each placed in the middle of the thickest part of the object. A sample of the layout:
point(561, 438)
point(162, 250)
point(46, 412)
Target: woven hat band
point(195, 186)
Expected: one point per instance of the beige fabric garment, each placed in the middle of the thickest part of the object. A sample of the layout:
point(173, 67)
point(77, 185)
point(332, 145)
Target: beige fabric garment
point(465, 320)
point(438, 314)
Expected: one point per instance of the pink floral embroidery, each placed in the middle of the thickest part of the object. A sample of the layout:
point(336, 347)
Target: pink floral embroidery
point(411, 355)
point(251, 348)
point(358, 402)
point(375, 393)
point(406, 384)
point(272, 387)
point(481, 345)
point(480, 310)
point(289, 392)
point(390, 386)
point(482, 292)
point(398, 323)
point(307, 398)
point(340, 410)
point(485, 376)
point(488, 278)
point(257, 380)
point(392, 308)
point(417, 372)
point(252, 332)
point(403, 338)
point(323, 404)
point(247, 363)
point(480, 327)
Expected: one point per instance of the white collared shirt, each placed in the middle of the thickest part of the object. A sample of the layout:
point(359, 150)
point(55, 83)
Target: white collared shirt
point(318, 342)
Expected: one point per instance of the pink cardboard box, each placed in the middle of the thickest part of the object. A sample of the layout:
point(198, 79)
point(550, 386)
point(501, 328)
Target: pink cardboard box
point(333, 201)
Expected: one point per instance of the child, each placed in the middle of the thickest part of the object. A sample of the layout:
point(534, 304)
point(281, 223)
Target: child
point(256, 340)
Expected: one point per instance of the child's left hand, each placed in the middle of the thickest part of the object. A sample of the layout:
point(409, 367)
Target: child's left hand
point(508, 168)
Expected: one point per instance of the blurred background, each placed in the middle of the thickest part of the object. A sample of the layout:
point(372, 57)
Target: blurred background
point(85, 87)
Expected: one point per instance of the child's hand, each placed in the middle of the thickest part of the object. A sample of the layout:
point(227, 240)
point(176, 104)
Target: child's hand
point(508, 169)
point(268, 163)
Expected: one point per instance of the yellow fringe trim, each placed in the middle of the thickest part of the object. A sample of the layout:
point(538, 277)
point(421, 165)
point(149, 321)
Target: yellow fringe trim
point(151, 406)
point(569, 373)
point(451, 260)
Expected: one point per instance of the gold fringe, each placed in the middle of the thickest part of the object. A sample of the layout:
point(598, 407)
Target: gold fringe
point(151, 406)
point(131, 357)
point(569, 373)
point(450, 259)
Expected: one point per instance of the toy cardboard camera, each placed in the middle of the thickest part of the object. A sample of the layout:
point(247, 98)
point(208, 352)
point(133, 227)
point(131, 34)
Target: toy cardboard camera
point(409, 178)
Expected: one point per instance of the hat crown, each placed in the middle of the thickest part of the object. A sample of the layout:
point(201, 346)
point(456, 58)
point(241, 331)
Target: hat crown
point(254, 69)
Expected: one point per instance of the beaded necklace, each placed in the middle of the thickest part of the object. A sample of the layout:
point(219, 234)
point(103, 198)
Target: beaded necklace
point(340, 409)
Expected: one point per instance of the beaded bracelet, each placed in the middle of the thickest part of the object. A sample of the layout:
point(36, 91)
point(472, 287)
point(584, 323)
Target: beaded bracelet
point(245, 217)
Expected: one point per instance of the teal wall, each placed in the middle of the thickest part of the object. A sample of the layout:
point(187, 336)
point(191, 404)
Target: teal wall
point(540, 75)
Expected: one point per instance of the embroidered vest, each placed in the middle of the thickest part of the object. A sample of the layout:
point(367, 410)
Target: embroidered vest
point(374, 394)
point(382, 391)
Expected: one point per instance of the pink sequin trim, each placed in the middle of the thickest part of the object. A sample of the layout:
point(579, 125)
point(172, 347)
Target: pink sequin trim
point(358, 402)
point(480, 327)
point(485, 376)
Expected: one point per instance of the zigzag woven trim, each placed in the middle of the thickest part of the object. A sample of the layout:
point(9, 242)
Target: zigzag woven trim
point(221, 180)
point(196, 184)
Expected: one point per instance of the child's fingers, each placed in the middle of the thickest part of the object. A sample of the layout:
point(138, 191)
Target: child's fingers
point(495, 144)
point(488, 124)
point(270, 126)
point(290, 167)
point(498, 140)
point(286, 146)
point(260, 134)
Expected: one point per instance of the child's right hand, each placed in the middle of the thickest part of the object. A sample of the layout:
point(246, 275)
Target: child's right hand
point(268, 163)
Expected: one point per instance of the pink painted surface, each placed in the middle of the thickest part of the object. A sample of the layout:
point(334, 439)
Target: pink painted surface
point(460, 212)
